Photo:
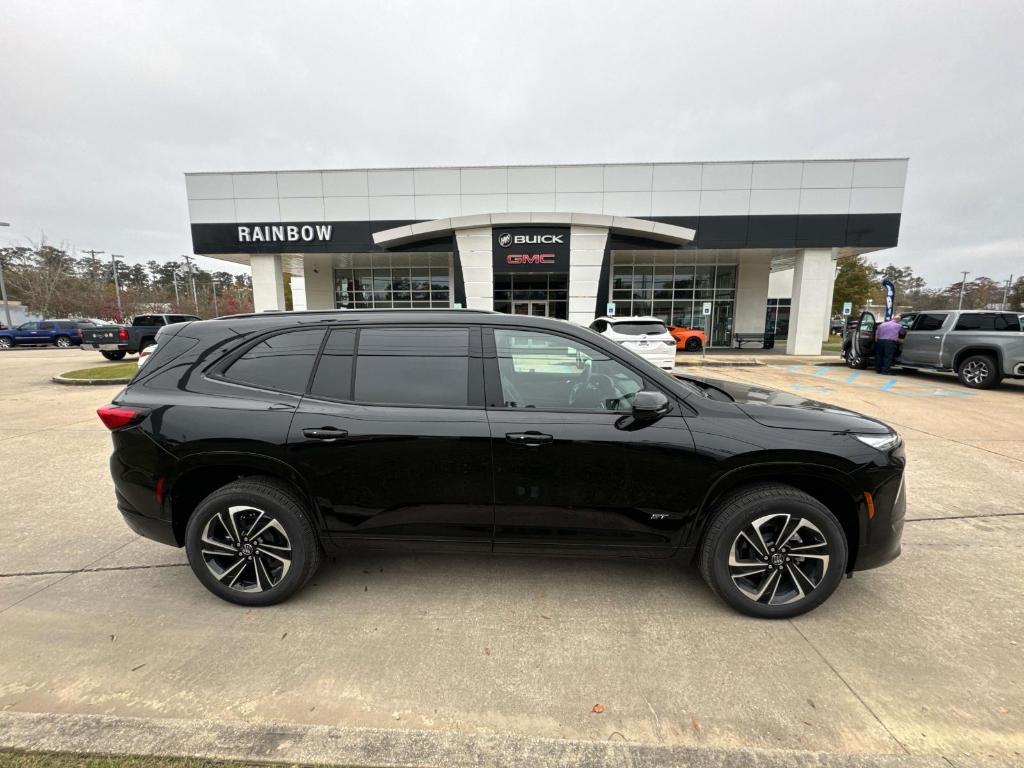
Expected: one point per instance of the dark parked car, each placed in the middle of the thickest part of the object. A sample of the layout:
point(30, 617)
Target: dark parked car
point(61, 333)
point(258, 442)
point(116, 341)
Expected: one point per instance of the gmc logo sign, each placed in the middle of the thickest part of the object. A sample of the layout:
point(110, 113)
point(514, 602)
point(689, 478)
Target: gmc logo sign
point(530, 258)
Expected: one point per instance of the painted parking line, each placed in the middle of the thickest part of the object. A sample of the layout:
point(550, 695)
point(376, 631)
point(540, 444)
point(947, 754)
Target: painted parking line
point(891, 384)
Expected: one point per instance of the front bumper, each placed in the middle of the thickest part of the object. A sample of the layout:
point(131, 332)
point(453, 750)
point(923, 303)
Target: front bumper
point(882, 535)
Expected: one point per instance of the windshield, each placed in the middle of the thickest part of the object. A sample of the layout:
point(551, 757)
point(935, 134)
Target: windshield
point(639, 328)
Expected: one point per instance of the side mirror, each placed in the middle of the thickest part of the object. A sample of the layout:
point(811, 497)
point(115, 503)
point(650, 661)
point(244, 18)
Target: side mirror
point(649, 405)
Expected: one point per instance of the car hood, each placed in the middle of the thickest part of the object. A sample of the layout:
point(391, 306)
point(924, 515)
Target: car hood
point(775, 408)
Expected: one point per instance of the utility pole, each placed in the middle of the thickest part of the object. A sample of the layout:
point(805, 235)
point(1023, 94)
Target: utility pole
point(3, 285)
point(216, 312)
point(117, 288)
point(960, 304)
point(192, 279)
point(174, 279)
point(1006, 290)
point(94, 254)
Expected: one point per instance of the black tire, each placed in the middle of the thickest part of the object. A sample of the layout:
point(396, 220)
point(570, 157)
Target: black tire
point(64, 342)
point(6, 342)
point(775, 505)
point(692, 344)
point(979, 372)
point(248, 504)
point(855, 361)
point(113, 355)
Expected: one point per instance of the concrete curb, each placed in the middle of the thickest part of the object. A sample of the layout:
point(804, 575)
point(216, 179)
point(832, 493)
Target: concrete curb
point(87, 382)
point(380, 748)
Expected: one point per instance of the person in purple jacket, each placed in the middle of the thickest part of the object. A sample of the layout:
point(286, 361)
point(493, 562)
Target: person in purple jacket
point(887, 339)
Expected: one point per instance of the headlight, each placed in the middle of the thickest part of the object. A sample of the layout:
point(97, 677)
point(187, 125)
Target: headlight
point(881, 442)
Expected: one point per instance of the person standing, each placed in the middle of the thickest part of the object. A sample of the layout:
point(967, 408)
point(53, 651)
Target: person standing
point(887, 338)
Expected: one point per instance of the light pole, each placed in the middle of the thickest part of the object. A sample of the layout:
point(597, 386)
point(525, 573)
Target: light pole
point(192, 279)
point(963, 283)
point(3, 285)
point(117, 288)
point(1006, 289)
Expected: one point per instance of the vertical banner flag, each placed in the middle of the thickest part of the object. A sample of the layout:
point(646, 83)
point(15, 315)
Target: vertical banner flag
point(890, 297)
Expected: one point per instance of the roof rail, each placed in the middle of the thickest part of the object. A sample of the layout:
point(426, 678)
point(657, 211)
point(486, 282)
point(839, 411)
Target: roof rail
point(332, 312)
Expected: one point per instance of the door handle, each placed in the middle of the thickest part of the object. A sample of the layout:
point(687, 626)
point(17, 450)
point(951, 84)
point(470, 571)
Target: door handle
point(936, 337)
point(327, 434)
point(529, 438)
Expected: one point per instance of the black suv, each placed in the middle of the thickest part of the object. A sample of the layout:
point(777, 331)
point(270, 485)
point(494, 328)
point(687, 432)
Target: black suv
point(258, 442)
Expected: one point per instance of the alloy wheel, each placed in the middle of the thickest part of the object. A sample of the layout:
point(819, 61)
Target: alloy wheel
point(5, 343)
point(975, 372)
point(246, 549)
point(779, 559)
point(63, 343)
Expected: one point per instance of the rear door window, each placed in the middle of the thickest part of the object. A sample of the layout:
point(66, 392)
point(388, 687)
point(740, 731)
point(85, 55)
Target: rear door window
point(427, 367)
point(46, 326)
point(929, 322)
point(333, 377)
point(282, 362)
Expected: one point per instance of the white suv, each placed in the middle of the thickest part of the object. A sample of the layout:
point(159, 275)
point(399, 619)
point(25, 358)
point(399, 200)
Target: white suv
point(646, 336)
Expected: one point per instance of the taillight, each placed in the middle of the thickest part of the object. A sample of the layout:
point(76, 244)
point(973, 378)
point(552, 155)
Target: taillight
point(116, 416)
point(122, 334)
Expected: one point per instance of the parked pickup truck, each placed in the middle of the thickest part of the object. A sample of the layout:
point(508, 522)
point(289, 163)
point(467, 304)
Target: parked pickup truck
point(981, 347)
point(116, 341)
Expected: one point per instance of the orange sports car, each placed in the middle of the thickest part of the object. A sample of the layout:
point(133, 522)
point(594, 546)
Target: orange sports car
point(690, 339)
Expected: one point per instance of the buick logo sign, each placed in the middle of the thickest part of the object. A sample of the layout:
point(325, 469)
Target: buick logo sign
point(504, 239)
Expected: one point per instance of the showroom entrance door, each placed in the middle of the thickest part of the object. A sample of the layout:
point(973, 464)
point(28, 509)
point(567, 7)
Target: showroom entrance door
point(535, 308)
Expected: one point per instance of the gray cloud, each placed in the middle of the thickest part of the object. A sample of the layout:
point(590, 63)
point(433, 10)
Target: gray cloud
point(105, 106)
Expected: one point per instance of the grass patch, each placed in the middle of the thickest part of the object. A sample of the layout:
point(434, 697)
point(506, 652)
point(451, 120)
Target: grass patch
point(832, 346)
point(118, 371)
point(63, 760)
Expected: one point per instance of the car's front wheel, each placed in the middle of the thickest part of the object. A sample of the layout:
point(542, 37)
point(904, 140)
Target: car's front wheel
point(252, 542)
point(5, 342)
point(773, 551)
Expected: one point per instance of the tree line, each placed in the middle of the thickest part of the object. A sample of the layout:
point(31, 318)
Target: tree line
point(859, 281)
point(51, 282)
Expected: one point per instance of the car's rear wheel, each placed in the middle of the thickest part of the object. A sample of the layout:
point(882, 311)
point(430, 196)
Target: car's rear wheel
point(114, 355)
point(773, 551)
point(5, 342)
point(252, 542)
point(979, 372)
point(693, 344)
point(63, 342)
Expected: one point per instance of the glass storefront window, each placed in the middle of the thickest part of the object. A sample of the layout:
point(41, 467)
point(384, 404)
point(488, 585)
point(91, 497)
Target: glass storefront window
point(673, 286)
point(392, 280)
point(533, 294)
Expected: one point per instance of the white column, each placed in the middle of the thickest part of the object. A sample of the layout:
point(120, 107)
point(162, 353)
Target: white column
point(298, 292)
point(586, 251)
point(812, 276)
point(752, 293)
point(475, 253)
point(316, 283)
point(827, 330)
point(267, 281)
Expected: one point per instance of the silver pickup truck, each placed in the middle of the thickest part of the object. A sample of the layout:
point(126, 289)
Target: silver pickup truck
point(981, 347)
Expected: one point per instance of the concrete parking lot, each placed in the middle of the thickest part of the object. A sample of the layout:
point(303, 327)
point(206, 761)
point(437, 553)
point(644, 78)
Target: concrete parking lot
point(923, 657)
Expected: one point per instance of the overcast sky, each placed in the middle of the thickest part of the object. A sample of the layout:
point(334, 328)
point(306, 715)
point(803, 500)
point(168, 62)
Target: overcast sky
point(104, 106)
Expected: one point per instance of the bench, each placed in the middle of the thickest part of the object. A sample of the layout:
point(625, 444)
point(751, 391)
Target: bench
point(766, 340)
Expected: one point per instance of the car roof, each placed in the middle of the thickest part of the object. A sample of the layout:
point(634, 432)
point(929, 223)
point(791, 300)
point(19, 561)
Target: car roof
point(632, 319)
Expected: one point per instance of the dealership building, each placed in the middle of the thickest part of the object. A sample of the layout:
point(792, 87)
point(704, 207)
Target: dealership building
point(711, 245)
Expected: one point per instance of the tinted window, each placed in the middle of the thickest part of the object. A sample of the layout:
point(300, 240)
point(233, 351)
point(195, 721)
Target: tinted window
point(988, 322)
point(639, 328)
point(333, 377)
point(148, 320)
point(281, 362)
point(541, 370)
point(28, 326)
point(46, 326)
point(929, 322)
point(413, 366)
point(180, 319)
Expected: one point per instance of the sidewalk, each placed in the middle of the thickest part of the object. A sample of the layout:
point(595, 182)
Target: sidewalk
point(730, 357)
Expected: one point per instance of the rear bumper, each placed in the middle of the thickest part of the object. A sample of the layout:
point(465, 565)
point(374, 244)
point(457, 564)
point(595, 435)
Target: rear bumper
point(150, 528)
